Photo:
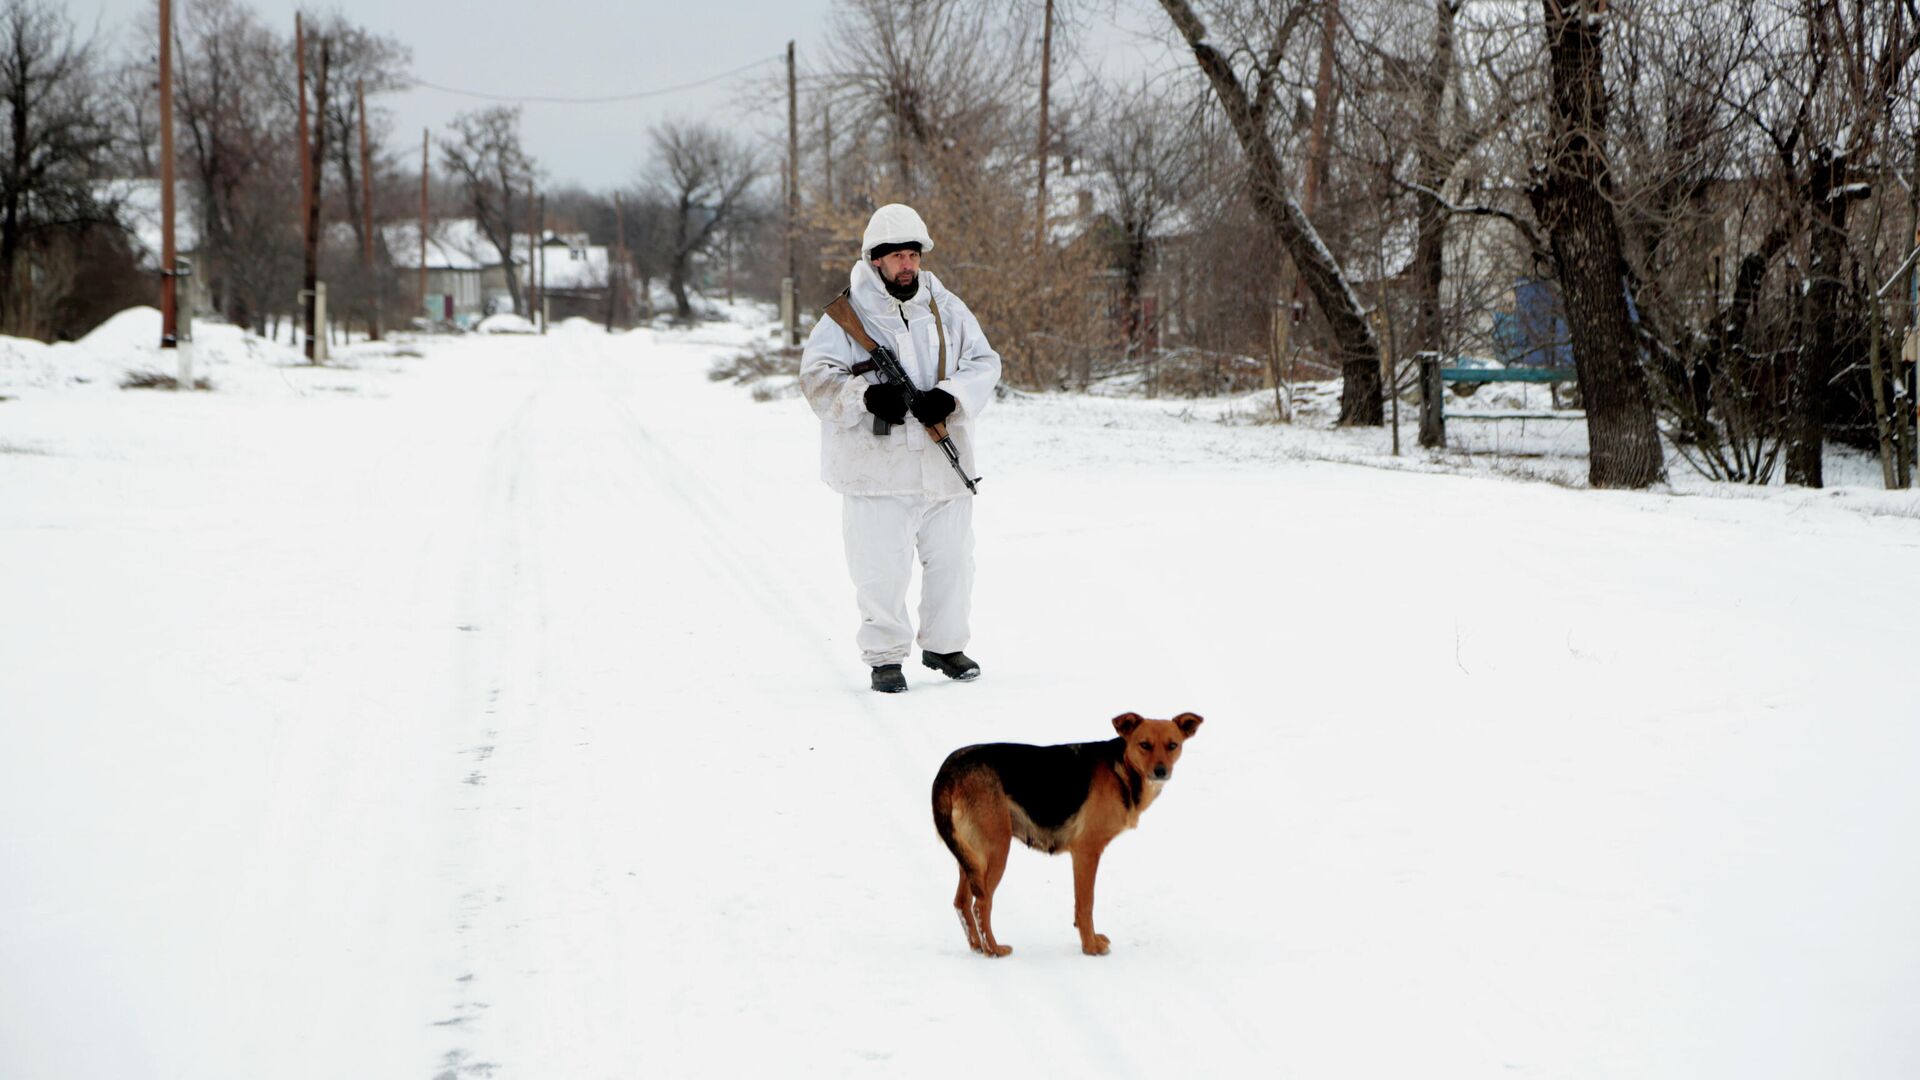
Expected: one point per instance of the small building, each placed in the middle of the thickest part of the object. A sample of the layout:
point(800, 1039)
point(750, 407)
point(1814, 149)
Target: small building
point(572, 273)
point(466, 281)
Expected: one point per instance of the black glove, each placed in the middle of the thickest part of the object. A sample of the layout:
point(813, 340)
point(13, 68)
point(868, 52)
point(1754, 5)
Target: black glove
point(934, 406)
point(888, 402)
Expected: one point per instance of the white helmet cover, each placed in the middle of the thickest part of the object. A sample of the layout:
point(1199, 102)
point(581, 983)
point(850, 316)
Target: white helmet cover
point(895, 223)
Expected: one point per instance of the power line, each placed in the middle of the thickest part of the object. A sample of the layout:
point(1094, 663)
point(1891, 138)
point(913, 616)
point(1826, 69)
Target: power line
point(423, 84)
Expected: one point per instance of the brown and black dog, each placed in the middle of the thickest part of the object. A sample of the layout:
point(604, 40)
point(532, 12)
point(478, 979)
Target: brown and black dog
point(1074, 797)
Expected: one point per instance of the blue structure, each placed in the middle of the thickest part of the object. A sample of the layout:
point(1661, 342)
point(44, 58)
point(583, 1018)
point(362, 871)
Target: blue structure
point(1534, 334)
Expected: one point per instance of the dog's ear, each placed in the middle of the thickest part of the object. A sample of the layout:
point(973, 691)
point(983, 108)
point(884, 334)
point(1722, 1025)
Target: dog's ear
point(1188, 723)
point(1126, 722)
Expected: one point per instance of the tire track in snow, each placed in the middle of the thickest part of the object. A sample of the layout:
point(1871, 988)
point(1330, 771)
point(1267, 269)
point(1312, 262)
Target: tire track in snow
point(558, 473)
point(488, 685)
point(719, 524)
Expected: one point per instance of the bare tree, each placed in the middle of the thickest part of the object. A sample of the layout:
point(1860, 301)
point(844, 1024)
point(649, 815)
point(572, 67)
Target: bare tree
point(1427, 97)
point(359, 59)
point(1574, 202)
point(703, 176)
point(647, 221)
point(1860, 55)
point(1248, 111)
point(1748, 135)
point(132, 108)
point(234, 107)
point(380, 63)
point(485, 157)
point(1142, 167)
point(932, 75)
point(1683, 171)
point(49, 144)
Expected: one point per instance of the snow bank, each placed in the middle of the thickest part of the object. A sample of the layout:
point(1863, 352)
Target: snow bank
point(128, 344)
point(505, 323)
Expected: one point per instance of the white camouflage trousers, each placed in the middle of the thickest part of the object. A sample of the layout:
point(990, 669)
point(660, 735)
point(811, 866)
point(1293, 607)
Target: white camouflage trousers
point(883, 533)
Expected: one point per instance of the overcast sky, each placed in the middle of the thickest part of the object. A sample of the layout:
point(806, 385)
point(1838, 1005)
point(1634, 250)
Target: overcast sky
point(601, 48)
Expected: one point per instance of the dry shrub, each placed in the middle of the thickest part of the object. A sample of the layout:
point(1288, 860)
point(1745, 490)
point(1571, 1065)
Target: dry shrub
point(1042, 307)
point(154, 380)
point(755, 364)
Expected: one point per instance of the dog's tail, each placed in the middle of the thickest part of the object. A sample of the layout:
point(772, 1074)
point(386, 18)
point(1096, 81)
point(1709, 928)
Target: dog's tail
point(946, 785)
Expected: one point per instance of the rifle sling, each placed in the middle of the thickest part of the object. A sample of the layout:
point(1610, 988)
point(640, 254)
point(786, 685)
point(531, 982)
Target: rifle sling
point(841, 312)
point(939, 328)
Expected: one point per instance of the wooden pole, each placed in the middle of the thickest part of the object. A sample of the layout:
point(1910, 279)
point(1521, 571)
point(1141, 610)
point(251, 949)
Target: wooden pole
point(540, 227)
point(615, 294)
point(421, 306)
point(1322, 110)
point(1433, 417)
point(533, 245)
point(793, 197)
point(306, 163)
point(1046, 85)
point(306, 179)
point(366, 215)
point(316, 349)
point(169, 283)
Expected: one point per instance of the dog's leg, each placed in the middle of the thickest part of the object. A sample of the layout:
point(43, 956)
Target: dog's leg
point(1086, 863)
point(963, 904)
point(983, 903)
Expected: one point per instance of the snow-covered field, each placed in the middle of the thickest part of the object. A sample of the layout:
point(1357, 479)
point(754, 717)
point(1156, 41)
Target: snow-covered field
point(488, 707)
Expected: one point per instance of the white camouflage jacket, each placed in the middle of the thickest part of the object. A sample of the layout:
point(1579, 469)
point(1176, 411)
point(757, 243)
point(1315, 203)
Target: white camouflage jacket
point(855, 461)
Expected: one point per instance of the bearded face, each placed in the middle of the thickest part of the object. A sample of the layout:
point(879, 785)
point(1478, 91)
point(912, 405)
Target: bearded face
point(900, 270)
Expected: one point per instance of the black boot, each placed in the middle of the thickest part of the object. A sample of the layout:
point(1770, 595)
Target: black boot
point(888, 680)
point(954, 665)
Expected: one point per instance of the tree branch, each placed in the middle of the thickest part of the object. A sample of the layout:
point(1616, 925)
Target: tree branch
point(1541, 251)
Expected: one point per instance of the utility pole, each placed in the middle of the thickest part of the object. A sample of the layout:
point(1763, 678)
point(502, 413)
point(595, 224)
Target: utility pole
point(616, 265)
point(540, 224)
point(366, 215)
point(421, 306)
point(306, 163)
point(317, 323)
point(1046, 83)
point(316, 155)
point(789, 303)
point(533, 245)
point(169, 283)
point(1322, 110)
point(620, 242)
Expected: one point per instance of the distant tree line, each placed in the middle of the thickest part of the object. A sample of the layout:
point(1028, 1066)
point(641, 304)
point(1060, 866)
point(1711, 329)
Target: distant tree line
point(1721, 198)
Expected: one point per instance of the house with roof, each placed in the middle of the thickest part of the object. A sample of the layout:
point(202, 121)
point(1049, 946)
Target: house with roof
point(572, 274)
point(466, 280)
point(1085, 206)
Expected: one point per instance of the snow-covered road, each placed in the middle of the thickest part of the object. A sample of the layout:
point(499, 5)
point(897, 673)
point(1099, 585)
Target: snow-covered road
point(494, 713)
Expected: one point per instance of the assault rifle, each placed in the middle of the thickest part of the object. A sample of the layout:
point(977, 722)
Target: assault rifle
point(887, 365)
